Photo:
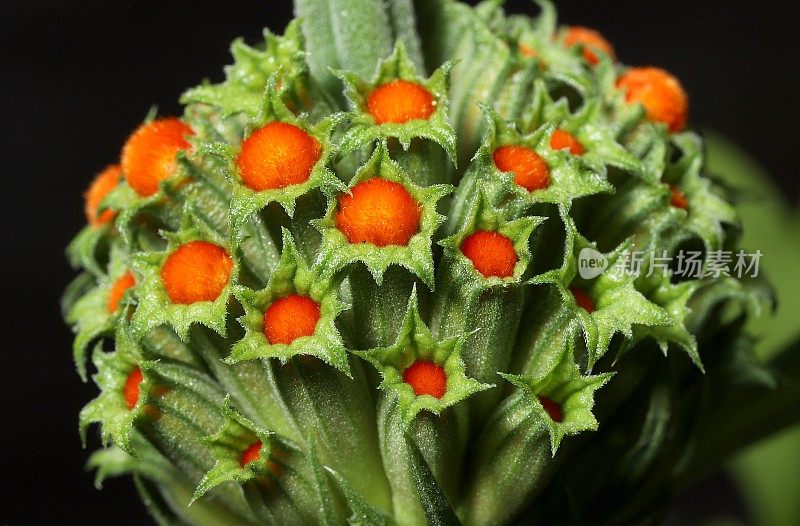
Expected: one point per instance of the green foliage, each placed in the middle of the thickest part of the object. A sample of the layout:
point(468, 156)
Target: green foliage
point(523, 431)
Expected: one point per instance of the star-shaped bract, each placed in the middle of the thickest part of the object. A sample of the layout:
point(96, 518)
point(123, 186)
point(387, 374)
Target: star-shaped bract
point(155, 305)
point(561, 385)
point(116, 408)
point(616, 304)
point(94, 313)
point(247, 200)
point(247, 78)
point(292, 277)
point(414, 344)
point(364, 130)
point(279, 480)
point(336, 252)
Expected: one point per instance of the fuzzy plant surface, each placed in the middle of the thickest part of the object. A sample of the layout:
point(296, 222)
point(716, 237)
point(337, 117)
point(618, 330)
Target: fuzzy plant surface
point(382, 274)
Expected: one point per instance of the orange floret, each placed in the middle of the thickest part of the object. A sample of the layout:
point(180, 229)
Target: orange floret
point(660, 93)
point(277, 155)
point(289, 318)
point(527, 51)
point(400, 101)
point(583, 300)
point(588, 38)
point(426, 378)
point(561, 140)
point(119, 287)
point(530, 170)
point(196, 271)
point(678, 198)
point(491, 253)
point(552, 408)
point(131, 389)
point(148, 156)
point(379, 212)
point(101, 186)
point(251, 453)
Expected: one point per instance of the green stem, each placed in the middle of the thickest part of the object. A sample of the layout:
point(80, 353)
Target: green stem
point(247, 381)
point(489, 316)
point(344, 34)
point(379, 310)
point(513, 463)
point(439, 439)
point(545, 324)
point(339, 413)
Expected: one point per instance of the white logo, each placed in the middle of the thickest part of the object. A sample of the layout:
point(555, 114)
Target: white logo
point(591, 263)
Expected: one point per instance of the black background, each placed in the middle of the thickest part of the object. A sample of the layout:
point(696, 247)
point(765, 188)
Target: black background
point(78, 76)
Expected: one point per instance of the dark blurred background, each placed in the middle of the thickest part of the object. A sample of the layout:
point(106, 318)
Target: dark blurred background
point(78, 76)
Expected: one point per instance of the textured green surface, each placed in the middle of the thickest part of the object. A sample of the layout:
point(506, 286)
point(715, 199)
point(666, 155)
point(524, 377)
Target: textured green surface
point(345, 438)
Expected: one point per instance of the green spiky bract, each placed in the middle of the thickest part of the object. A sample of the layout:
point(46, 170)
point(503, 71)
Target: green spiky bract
point(550, 406)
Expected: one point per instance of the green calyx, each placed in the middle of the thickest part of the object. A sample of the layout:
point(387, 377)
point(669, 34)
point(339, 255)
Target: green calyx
point(246, 201)
point(515, 456)
point(561, 397)
point(155, 305)
point(415, 344)
point(364, 130)
point(336, 252)
point(283, 58)
point(483, 216)
point(111, 408)
point(90, 314)
point(674, 298)
point(486, 309)
point(419, 341)
point(708, 212)
point(279, 482)
point(230, 444)
point(616, 305)
point(292, 277)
